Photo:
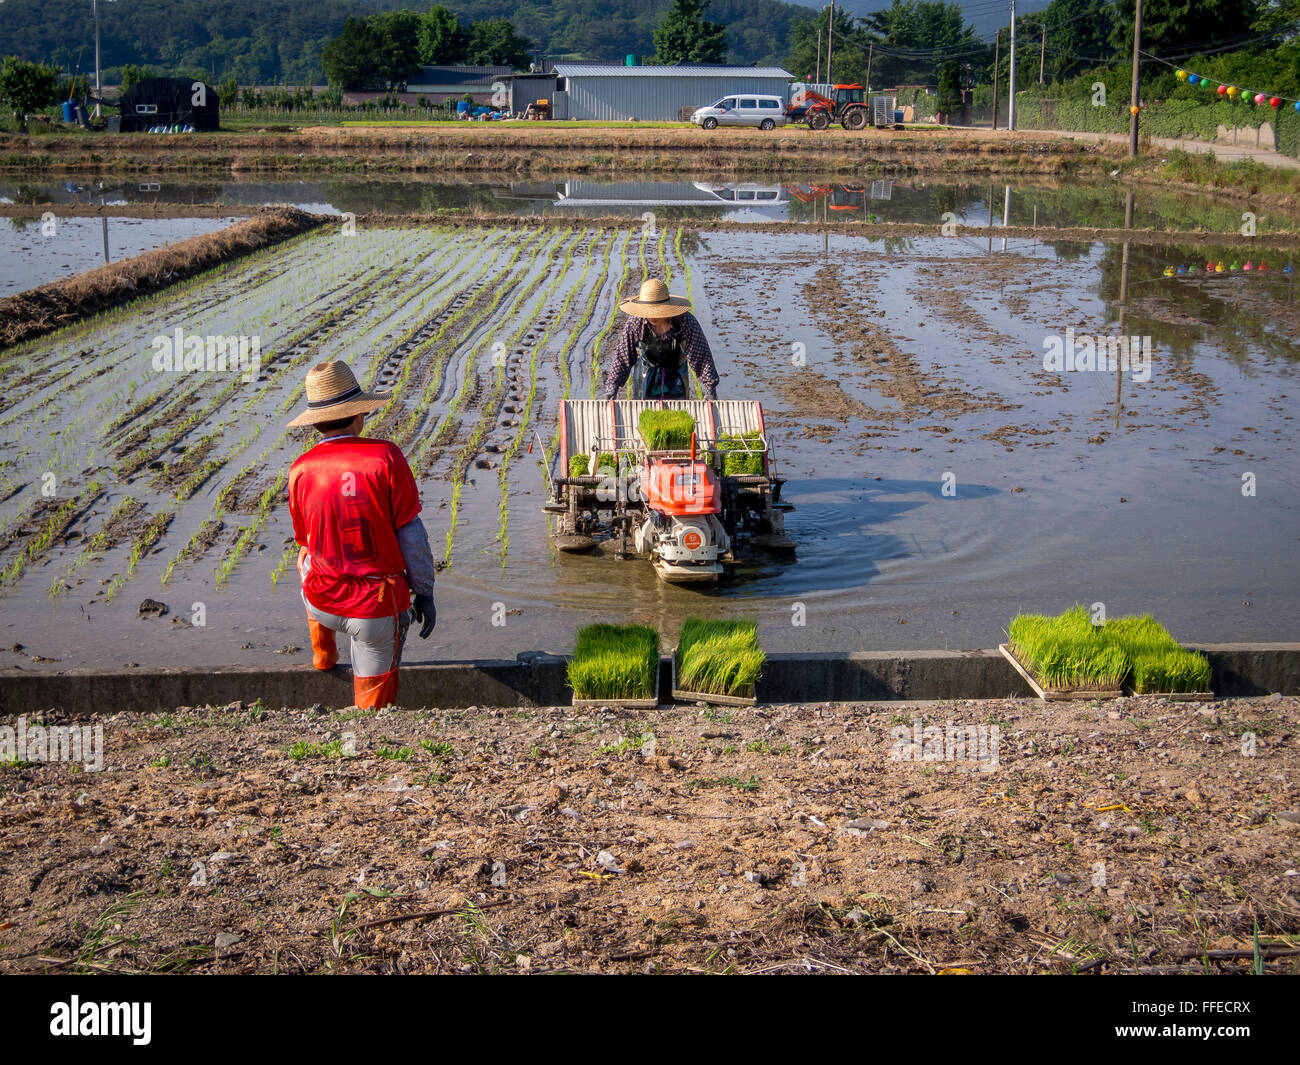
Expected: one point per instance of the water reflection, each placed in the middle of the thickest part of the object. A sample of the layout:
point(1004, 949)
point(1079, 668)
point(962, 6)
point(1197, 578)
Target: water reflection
point(864, 200)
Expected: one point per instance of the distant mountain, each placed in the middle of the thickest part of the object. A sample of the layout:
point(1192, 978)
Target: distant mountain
point(266, 41)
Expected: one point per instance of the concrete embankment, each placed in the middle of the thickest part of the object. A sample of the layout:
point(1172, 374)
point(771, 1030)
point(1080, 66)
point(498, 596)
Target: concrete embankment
point(538, 679)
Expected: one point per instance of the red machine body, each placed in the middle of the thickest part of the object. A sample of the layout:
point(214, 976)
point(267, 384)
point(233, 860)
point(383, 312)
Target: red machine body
point(682, 488)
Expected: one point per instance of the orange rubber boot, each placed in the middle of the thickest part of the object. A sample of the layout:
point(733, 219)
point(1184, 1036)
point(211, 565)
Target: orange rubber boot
point(370, 692)
point(324, 652)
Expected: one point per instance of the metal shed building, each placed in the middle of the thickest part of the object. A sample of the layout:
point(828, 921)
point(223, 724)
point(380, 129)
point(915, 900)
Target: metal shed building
point(613, 93)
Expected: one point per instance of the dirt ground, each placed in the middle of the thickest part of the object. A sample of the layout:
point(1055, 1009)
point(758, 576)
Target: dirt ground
point(537, 147)
point(1135, 835)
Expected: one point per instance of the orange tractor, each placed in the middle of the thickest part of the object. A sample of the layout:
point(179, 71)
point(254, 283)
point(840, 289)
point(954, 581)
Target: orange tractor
point(850, 107)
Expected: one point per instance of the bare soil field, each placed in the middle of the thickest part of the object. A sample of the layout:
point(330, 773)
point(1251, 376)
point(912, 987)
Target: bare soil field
point(540, 148)
point(1116, 837)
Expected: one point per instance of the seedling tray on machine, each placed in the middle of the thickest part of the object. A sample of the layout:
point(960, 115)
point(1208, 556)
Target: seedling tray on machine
point(685, 696)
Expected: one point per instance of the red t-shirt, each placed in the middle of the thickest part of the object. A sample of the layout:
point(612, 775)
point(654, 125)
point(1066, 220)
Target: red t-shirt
point(348, 496)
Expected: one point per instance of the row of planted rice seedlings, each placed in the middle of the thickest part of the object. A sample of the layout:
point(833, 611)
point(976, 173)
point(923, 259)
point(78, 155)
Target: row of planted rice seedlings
point(601, 337)
point(85, 447)
point(525, 420)
point(582, 323)
point(194, 548)
point(687, 290)
point(267, 502)
point(59, 520)
point(195, 468)
point(472, 277)
point(320, 333)
point(103, 540)
point(511, 280)
point(469, 383)
point(488, 409)
point(395, 321)
point(144, 540)
point(313, 329)
point(16, 361)
point(399, 421)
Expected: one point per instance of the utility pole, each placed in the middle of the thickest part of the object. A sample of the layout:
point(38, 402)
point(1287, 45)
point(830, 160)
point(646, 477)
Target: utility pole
point(819, 55)
point(997, 44)
point(871, 47)
point(1042, 54)
point(1137, 68)
point(1011, 81)
point(99, 94)
point(830, 34)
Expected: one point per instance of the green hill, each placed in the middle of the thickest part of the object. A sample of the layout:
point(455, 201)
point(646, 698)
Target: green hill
point(266, 41)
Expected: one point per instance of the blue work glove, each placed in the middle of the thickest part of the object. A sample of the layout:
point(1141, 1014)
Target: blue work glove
point(425, 613)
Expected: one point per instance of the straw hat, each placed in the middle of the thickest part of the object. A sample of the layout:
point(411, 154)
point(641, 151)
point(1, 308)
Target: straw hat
point(653, 301)
point(333, 394)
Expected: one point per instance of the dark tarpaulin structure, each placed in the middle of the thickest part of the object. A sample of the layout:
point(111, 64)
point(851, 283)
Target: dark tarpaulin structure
point(169, 102)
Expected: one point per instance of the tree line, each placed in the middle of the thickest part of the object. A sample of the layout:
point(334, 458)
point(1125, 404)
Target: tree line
point(928, 42)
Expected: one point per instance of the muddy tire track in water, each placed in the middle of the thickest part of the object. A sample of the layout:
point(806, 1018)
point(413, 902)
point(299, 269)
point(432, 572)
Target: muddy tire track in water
point(888, 370)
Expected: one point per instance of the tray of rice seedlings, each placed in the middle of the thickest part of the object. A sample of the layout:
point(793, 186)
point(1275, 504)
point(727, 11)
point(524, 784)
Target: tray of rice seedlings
point(717, 662)
point(741, 454)
point(1065, 657)
point(1158, 665)
point(581, 465)
point(615, 665)
point(666, 430)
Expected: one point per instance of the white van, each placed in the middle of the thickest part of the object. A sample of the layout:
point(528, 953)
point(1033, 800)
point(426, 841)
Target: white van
point(742, 109)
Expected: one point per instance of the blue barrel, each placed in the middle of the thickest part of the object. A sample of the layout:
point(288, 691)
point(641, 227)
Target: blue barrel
point(69, 111)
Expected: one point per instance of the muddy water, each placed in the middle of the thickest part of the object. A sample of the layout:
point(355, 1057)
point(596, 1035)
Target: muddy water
point(943, 479)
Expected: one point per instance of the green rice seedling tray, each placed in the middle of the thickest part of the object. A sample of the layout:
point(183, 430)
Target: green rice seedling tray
point(648, 703)
point(684, 696)
point(1057, 694)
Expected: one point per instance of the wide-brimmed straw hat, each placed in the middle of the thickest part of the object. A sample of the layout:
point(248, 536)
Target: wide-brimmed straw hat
point(333, 394)
point(653, 301)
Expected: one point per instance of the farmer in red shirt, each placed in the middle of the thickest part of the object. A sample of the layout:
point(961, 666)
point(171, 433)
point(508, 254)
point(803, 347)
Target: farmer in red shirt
point(363, 548)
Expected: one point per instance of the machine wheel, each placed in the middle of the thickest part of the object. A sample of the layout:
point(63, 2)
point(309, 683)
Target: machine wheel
point(855, 119)
point(819, 121)
point(710, 123)
point(767, 124)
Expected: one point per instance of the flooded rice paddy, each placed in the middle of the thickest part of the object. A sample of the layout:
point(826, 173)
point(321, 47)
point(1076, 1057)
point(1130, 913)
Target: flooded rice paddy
point(943, 478)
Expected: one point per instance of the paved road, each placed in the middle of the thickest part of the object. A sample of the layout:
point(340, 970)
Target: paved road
point(1226, 152)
